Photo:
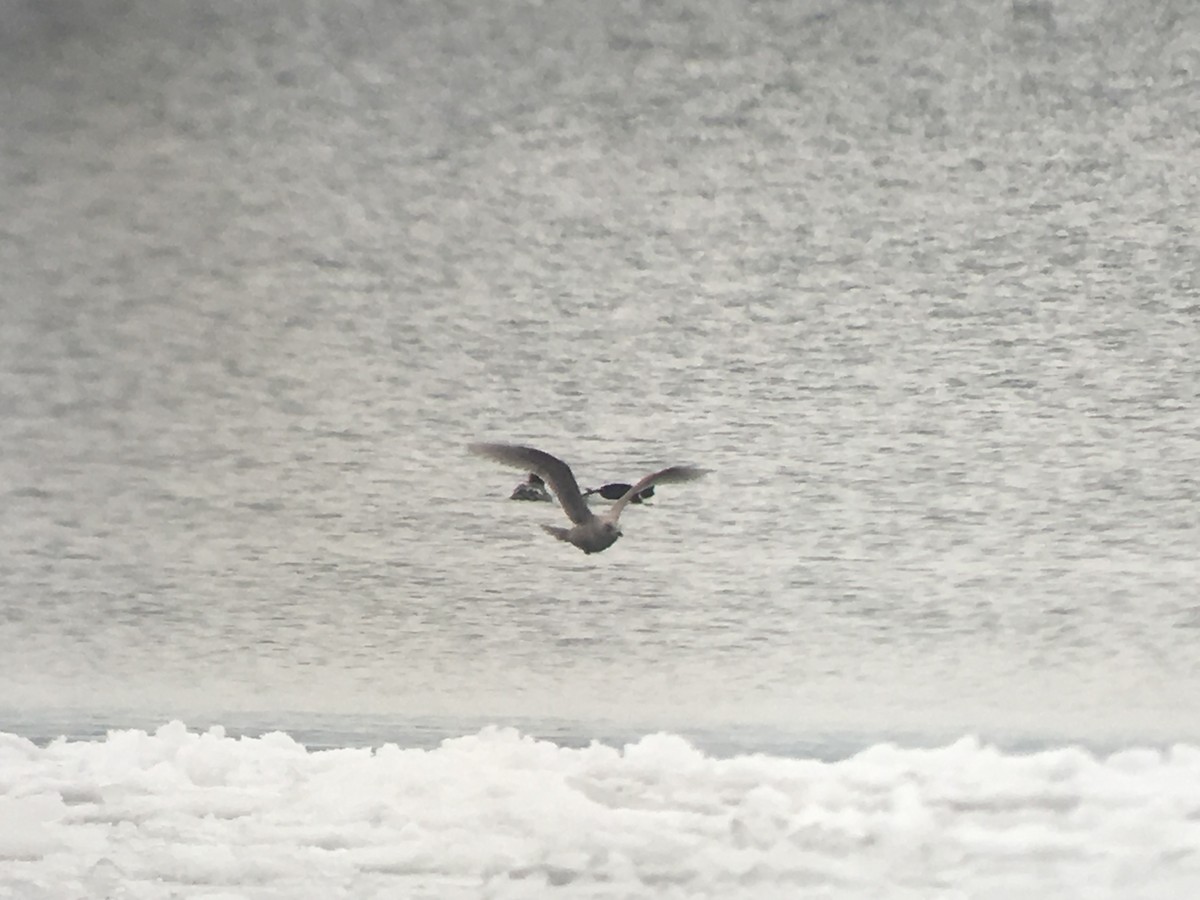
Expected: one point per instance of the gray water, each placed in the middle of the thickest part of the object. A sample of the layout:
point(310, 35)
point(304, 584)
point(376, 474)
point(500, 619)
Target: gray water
point(916, 281)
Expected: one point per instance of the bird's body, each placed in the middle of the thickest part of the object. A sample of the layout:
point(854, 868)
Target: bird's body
point(590, 537)
point(590, 532)
point(616, 490)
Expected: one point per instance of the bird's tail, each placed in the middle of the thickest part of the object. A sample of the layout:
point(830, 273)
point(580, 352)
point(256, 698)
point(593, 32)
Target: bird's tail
point(560, 533)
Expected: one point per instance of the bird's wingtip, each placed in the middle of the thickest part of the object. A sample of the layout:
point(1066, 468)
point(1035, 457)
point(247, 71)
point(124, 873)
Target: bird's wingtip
point(485, 448)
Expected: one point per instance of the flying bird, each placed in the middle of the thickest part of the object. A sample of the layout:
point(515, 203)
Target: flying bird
point(591, 533)
point(532, 488)
point(616, 490)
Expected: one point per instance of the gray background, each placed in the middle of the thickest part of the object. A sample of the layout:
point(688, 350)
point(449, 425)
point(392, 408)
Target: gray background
point(917, 281)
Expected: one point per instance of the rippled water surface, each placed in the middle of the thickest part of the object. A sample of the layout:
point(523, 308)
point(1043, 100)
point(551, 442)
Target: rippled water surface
point(918, 282)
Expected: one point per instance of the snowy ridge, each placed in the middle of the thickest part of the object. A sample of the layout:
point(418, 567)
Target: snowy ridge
point(178, 813)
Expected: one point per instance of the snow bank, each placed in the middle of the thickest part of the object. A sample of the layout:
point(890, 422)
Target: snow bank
point(182, 814)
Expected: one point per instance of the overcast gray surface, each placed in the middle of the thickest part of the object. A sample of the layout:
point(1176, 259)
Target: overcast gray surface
point(918, 282)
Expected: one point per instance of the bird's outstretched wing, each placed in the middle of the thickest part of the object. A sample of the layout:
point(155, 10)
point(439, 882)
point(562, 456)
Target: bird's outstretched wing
point(556, 472)
point(674, 473)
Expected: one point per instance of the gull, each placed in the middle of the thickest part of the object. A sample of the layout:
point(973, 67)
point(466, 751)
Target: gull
point(591, 533)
